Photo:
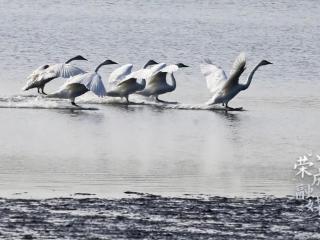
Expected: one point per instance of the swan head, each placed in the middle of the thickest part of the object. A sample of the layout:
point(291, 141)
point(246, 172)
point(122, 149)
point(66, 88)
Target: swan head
point(181, 65)
point(149, 63)
point(108, 62)
point(264, 62)
point(79, 57)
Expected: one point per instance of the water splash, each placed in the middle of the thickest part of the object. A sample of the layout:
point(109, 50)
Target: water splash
point(41, 102)
point(37, 102)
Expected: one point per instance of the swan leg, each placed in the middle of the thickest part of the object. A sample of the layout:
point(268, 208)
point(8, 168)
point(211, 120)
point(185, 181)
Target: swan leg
point(42, 89)
point(127, 99)
point(74, 104)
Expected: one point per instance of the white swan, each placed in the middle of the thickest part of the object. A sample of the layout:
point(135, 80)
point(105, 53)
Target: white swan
point(44, 74)
point(80, 84)
point(157, 83)
point(224, 88)
point(123, 81)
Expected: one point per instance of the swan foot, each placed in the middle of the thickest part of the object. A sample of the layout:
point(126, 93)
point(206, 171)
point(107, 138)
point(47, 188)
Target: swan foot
point(74, 104)
point(233, 109)
point(127, 100)
point(43, 92)
point(161, 101)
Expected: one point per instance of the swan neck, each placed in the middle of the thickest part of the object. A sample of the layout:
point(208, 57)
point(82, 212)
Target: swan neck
point(99, 66)
point(70, 60)
point(174, 84)
point(251, 76)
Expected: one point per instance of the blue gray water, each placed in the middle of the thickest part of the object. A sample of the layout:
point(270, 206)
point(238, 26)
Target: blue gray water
point(48, 149)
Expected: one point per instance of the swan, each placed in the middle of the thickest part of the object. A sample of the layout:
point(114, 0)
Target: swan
point(80, 84)
point(44, 74)
point(124, 82)
point(223, 88)
point(157, 83)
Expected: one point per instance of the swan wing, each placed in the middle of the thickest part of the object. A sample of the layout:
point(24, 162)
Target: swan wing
point(237, 69)
point(216, 78)
point(61, 70)
point(36, 72)
point(92, 81)
point(158, 79)
point(120, 73)
point(170, 68)
point(159, 76)
point(82, 79)
point(154, 70)
point(67, 70)
point(97, 86)
point(144, 73)
point(127, 81)
point(35, 76)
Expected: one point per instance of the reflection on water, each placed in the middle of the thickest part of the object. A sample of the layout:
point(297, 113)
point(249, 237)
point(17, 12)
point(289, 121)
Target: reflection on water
point(48, 147)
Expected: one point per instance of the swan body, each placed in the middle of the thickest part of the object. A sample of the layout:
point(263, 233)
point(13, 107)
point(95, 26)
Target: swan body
point(124, 82)
point(46, 73)
point(80, 84)
point(226, 88)
point(157, 82)
point(127, 87)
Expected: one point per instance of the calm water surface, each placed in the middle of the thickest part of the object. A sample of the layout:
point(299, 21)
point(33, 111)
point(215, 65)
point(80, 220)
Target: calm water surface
point(49, 151)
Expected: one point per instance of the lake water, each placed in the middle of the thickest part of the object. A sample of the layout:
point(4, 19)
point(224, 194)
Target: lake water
point(47, 149)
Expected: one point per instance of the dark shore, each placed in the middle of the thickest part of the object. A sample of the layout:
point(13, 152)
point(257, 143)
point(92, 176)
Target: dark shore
point(143, 216)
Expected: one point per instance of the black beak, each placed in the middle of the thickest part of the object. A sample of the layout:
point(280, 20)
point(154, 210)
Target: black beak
point(111, 62)
point(150, 62)
point(181, 65)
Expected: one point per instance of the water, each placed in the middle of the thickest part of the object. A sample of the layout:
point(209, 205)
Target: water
point(48, 149)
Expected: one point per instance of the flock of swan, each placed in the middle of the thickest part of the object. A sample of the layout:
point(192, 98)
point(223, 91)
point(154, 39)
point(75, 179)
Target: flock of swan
point(149, 81)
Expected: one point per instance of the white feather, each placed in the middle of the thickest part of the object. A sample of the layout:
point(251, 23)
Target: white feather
point(214, 75)
point(154, 70)
point(53, 71)
point(157, 67)
point(238, 62)
point(120, 73)
point(34, 76)
point(92, 81)
point(36, 72)
point(139, 74)
point(61, 70)
point(144, 73)
point(170, 68)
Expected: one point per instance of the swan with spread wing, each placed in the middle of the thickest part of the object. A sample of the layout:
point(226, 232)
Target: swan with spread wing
point(46, 73)
point(124, 82)
point(80, 84)
point(157, 82)
point(226, 88)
